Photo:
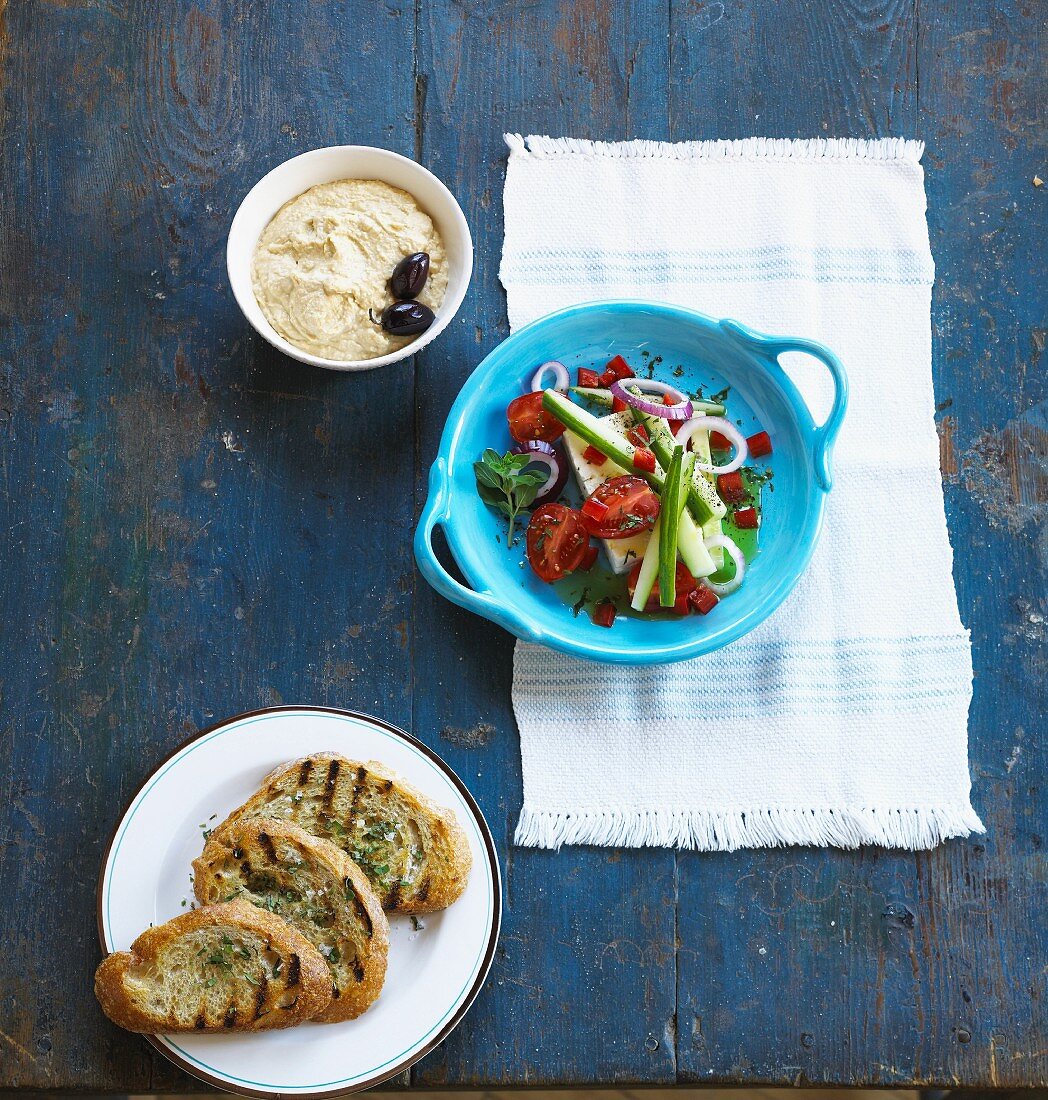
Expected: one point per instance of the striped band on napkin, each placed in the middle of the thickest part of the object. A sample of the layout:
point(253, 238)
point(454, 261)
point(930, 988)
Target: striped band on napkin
point(853, 725)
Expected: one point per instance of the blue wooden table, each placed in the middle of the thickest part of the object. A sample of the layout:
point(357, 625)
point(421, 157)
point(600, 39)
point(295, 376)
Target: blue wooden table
point(195, 526)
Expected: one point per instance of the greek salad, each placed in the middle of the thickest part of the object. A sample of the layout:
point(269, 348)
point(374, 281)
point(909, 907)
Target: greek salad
point(668, 507)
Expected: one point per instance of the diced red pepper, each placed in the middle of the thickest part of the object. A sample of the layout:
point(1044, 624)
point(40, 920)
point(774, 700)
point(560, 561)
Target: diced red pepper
point(643, 459)
point(595, 509)
point(682, 604)
point(604, 613)
point(746, 518)
point(702, 599)
point(591, 454)
point(731, 487)
point(759, 444)
point(618, 368)
point(618, 405)
point(588, 379)
point(668, 400)
point(719, 442)
point(675, 425)
point(590, 559)
point(606, 379)
point(685, 581)
point(638, 435)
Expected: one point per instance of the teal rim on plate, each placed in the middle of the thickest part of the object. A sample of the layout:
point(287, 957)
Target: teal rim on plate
point(705, 351)
point(471, 818)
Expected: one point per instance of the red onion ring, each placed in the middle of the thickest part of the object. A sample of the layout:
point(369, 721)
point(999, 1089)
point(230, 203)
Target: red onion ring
point(545, 454)
point(560, 374)
point(726, 429)
point(722, 542)
point(623, 389)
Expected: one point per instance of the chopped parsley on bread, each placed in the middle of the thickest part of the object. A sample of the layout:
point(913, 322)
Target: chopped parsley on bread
point(221, 968)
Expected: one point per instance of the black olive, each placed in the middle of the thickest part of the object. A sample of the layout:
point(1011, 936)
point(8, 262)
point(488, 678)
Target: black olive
point(406, 318)
point(410, 275)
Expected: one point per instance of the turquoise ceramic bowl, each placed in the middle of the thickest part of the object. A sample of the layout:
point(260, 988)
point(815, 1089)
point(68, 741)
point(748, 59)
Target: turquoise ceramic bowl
point(712, 353)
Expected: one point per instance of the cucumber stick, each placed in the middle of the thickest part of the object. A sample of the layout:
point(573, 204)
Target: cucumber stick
point(692, 549)
point(670, 517)
point(598, 397)
point(711, 528)
point(597, 433)
point(706, 483)
point(674, 498)
point(649, 568)
point(700, 443)
point(703, 502)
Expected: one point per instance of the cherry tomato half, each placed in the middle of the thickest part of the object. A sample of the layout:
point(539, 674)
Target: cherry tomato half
point(556, 540)
point(528, 420)
point(685, 585)
point(622, 507)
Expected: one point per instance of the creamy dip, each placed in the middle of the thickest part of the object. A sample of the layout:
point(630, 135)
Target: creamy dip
point(325, 260)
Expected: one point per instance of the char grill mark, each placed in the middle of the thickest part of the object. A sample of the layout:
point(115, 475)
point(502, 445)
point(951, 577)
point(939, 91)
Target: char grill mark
point(294, 970)
point(330, 784)
point(335, 991)
point(231, 1015)
point(238, 852)
point(423, 891)
point(260, 994)
point(393, 897)
point(358, 970)
point(388, 787)
point(358, 786)
point(201, 1022)
point(266, 842)
point(305, 771)
point(360, 907)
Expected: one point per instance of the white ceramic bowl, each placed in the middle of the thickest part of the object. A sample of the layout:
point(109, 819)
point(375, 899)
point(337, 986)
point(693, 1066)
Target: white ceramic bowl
point(337, 162)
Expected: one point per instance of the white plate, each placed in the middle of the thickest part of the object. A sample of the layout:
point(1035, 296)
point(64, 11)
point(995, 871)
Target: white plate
point(434, 972)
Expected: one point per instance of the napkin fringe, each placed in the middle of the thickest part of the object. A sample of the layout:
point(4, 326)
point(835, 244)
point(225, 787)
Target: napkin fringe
point(797, 149)
point(728, 830)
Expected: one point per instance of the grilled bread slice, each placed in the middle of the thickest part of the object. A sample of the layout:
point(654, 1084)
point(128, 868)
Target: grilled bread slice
point(226, 967)
point(312, 885)
point(413, 851)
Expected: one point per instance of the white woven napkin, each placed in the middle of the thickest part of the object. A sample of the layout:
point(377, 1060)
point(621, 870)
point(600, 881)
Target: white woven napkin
point(854, 729)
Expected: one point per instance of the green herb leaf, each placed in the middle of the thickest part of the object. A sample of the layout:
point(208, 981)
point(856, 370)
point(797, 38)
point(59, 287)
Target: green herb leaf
point(487, 476)
point(526, 495)
point(504, 483)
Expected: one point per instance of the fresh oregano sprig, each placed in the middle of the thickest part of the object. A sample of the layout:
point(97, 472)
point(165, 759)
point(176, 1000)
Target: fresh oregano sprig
point(505, 484)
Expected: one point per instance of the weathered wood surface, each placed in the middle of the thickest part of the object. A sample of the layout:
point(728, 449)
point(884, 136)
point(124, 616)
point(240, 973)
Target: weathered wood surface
point(195, 526)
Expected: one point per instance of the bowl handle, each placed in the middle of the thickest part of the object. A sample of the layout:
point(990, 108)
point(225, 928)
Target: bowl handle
point(435, 514)
point(825, 434)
